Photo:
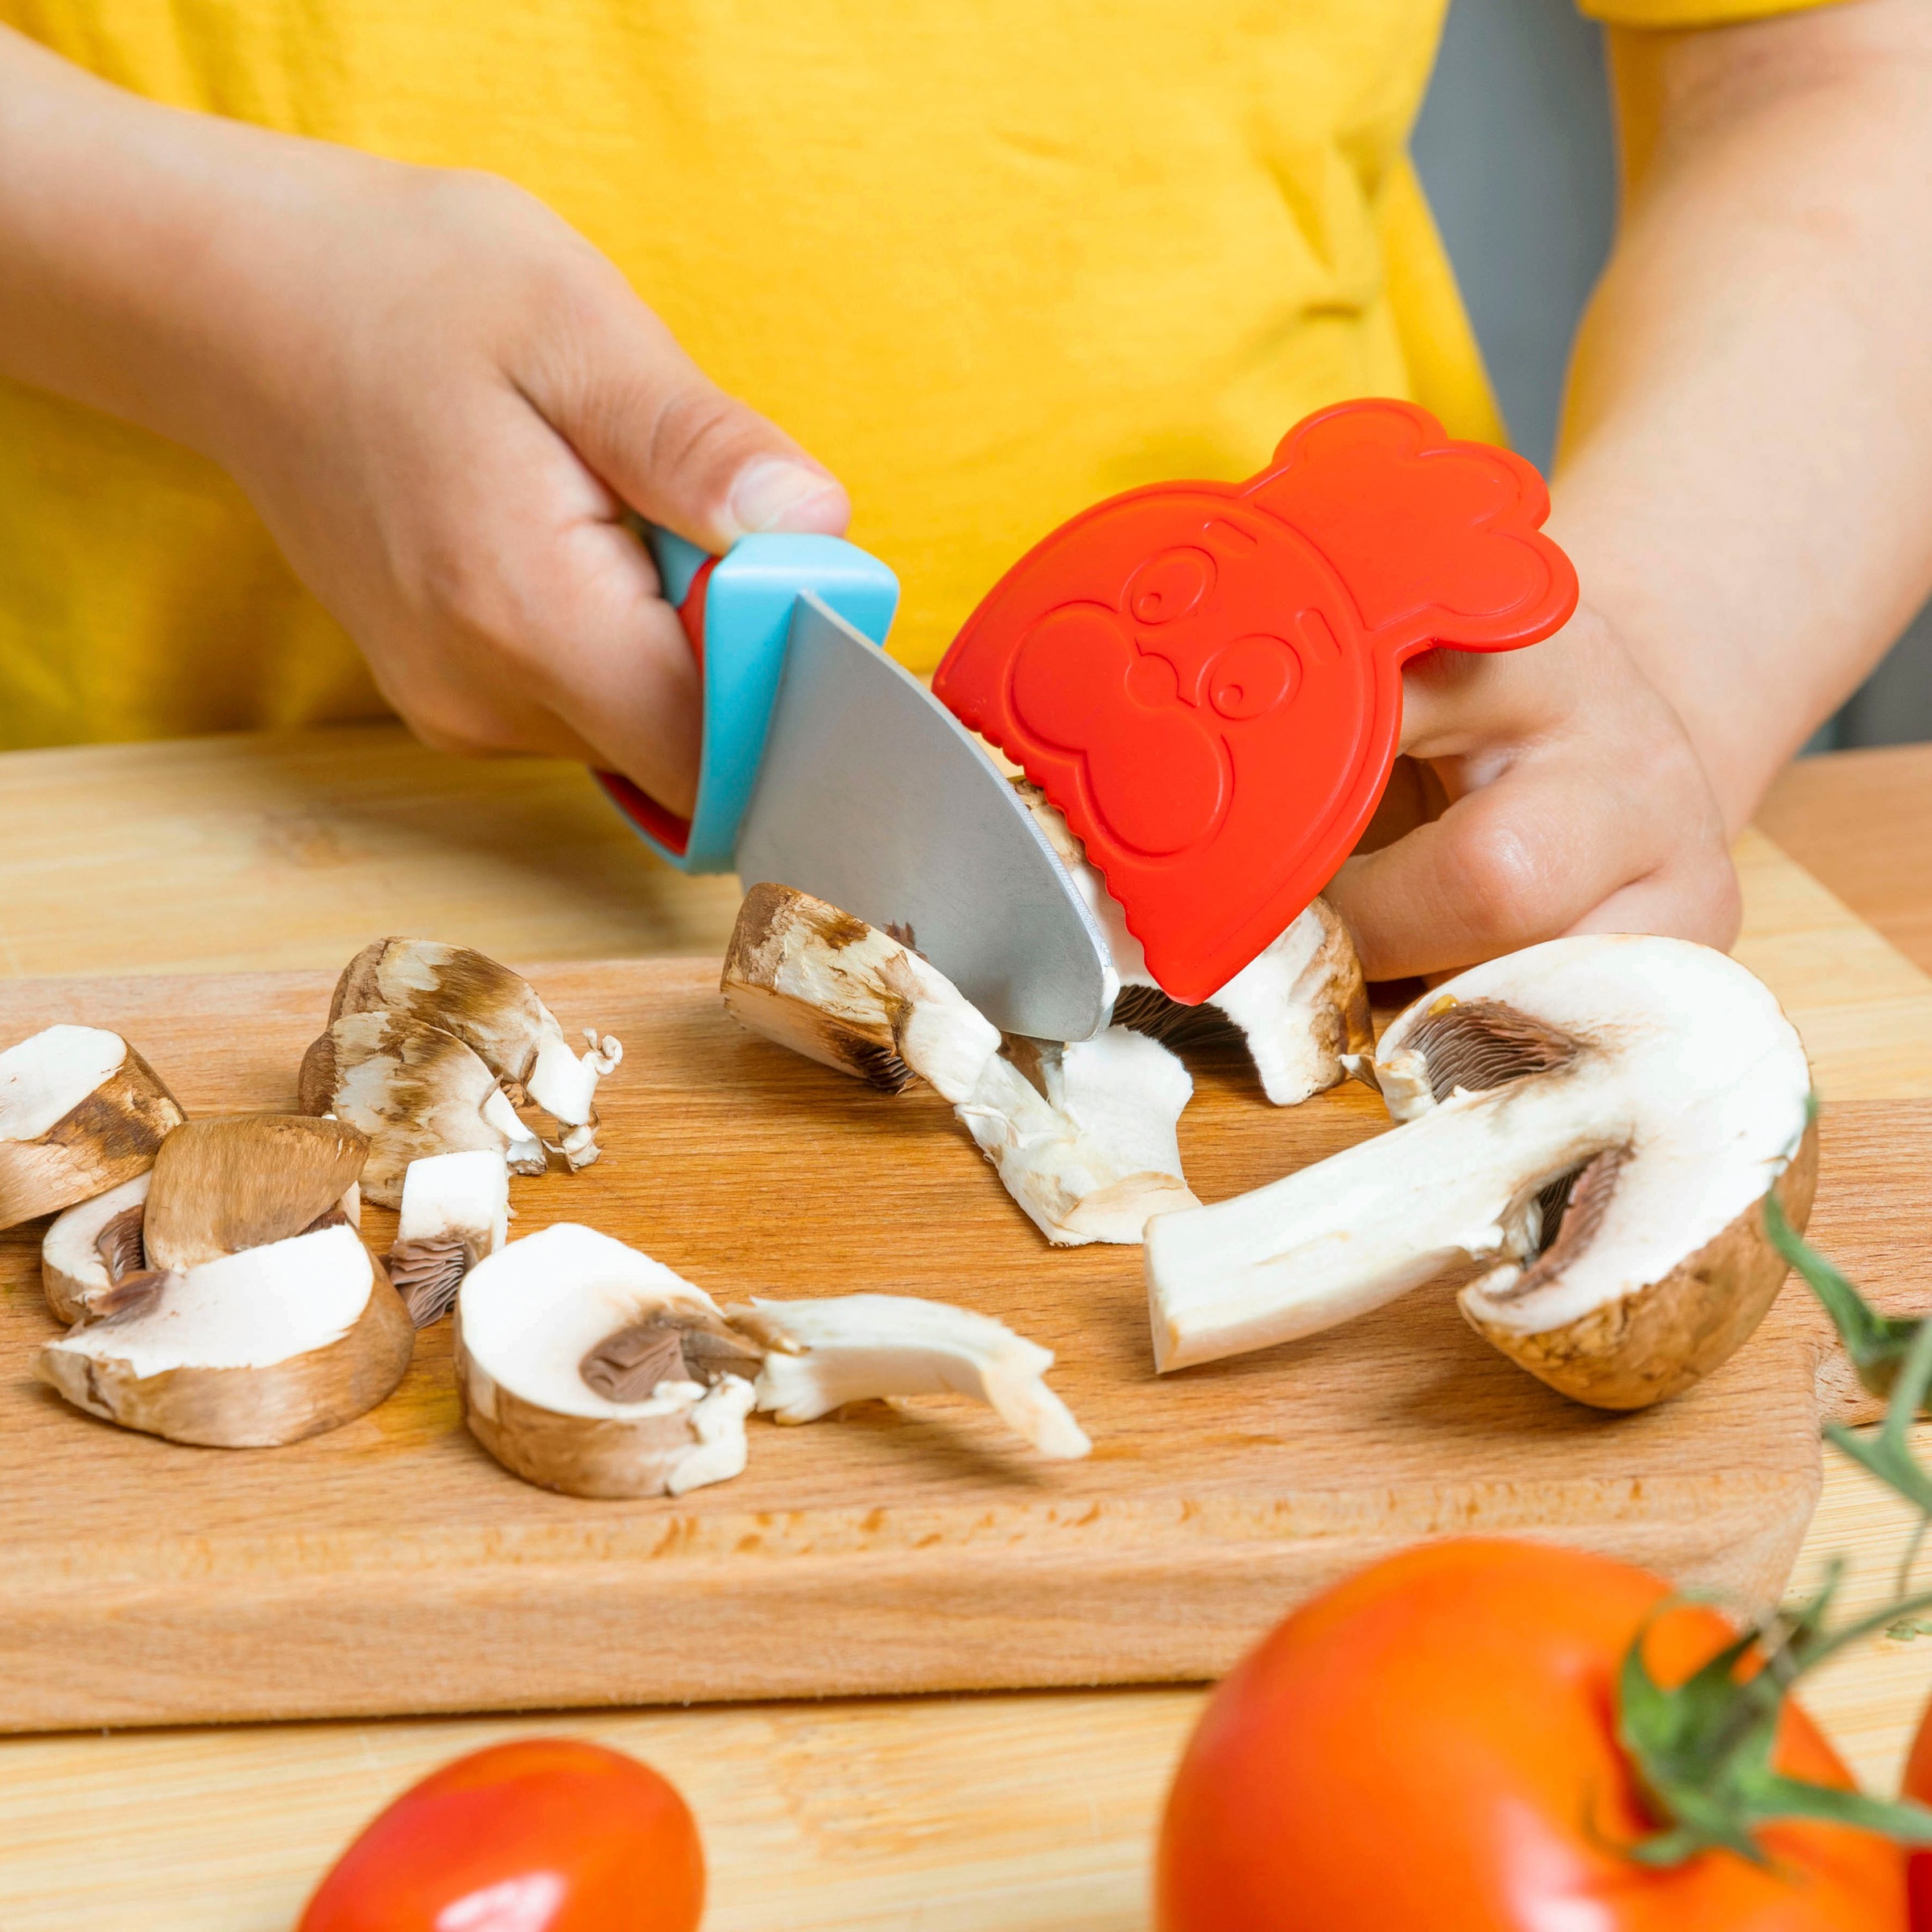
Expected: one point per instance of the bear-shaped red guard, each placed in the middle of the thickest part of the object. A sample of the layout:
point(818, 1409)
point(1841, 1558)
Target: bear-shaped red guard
point(1206, 678)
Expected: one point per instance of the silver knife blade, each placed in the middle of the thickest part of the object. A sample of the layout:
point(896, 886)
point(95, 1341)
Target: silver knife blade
point(872, 795)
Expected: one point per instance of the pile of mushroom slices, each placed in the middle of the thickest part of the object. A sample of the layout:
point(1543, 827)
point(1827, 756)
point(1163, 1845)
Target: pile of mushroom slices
point(587, 1367)
point(1600, 1119)
point(1084, 1134)
point(430, 1049)
point(224, 1297)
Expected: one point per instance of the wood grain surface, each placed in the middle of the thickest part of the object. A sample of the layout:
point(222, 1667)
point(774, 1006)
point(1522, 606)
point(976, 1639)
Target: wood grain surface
point(951, 1814)
point(391, 1567)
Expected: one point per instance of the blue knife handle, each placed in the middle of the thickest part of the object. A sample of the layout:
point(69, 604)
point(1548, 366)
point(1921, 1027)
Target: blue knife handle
point(736, 611)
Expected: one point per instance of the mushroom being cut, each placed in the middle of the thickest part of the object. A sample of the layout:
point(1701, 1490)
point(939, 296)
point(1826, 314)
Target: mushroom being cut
point(1300, 1006)
point(1599, 1117)
point(414, 1091)
point(456, 1210)
point(245, 1180)
point(494, 1012)
point(80, 1112)
point(1083, 1135)
point(251, 1351)
point(844, 1348)
point(587, 1367)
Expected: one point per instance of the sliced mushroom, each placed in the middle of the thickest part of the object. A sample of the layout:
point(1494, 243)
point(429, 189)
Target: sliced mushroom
point(455, 1210)
point(1654, 1082)
point(80, 1112)
point(245, 1180)
point(536, 1325)
point(842, 993)
point(856, 1348)
point(494, 1012)
point(252, 1350)
point(414, 1091)
point(1301, 1007)
point(93, 1249)
point(1087, 1145)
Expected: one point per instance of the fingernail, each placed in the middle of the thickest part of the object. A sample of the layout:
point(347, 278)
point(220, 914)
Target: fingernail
point(776, 493)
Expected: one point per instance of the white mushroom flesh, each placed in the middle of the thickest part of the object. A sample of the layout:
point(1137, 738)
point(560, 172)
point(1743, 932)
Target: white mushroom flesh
point(44, 1079)
point(856, 1347)
point(1666, 1052)
point(462, 1197)
point(247, 1311)
point(72, 1267)
point(1096, 1156)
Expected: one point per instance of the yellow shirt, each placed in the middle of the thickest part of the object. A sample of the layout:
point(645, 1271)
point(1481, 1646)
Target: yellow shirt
point(990, 260)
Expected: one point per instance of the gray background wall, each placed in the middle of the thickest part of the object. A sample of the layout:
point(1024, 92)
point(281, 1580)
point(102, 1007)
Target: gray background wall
point(1515, 147)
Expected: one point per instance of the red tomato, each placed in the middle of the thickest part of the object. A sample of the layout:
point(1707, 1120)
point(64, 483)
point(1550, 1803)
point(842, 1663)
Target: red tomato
point(1918, 1785)
point(546, 1835)
point(1432, 1744)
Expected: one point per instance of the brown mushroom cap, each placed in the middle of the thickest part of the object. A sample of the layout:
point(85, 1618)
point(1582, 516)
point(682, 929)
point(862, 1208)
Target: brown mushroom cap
point(243, 1180)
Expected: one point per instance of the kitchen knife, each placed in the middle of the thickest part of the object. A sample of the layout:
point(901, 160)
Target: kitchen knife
point(827, 767)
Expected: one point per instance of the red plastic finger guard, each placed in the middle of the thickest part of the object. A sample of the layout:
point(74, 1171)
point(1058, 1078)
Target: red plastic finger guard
point(1206, 678)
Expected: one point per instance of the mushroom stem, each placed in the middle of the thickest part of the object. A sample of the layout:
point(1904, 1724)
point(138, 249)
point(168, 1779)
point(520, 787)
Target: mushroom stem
point(823, 1353)
point(1660, 1074)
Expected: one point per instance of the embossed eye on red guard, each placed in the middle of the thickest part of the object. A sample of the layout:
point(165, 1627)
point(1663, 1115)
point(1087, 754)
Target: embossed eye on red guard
point(1206, 678)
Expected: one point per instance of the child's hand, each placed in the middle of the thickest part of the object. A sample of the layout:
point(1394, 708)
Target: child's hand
point(1577, 803)
point(450, 397)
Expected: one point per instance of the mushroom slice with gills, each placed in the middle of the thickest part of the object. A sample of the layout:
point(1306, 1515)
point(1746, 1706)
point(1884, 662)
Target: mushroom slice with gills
point(494, 1012)
point(92, 1260)
point(80, 1112)
point(824, 1353)
point(455, 1210)
point(249, 1352)
point(1660, 1074)
point(1087, 1145)
point(851, 997)
point(547, 1325)
point(1300, 1006)
point(245, 1180)
point(414, 1091)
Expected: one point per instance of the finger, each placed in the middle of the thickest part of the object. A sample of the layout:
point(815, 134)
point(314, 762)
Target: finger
point(1518, 860)
point(1455, 704)
point(616, 385)
point(1699, 901)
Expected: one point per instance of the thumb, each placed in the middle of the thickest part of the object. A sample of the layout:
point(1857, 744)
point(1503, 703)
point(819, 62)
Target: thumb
point(667, 440)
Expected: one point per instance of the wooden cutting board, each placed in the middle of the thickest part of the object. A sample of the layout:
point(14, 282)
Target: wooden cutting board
point(392, 1567)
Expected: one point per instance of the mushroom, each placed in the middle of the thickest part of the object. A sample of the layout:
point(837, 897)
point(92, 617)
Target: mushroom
point(1600, 1116)
point(1087, 1145)
point(250, 1351)
point(557, 1336)
point(1300, 1007)
point(494, 1012)
point(842, 993)
point(414, 1091)
point(455, 1210)
point(245, 1180)
point(80, 1112)
point(92, 1260)
point(856, 1347)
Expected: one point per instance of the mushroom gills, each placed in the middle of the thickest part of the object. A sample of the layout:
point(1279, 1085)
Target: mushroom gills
point(250, 1351)
point(822, 1354)
point(1654, 1083)
point(415, 1091)
point(496, 1013)
point(1087, 1145)
point(80, 1112)
point(1300, 1007)
point(455, 1210)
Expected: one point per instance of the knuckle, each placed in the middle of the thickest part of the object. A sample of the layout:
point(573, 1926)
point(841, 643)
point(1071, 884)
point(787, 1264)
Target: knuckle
point(1508, 883)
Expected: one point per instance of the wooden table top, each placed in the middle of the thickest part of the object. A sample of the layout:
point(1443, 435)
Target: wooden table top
point(1024, 1812)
